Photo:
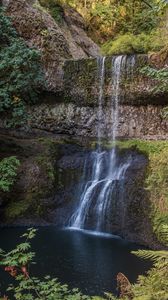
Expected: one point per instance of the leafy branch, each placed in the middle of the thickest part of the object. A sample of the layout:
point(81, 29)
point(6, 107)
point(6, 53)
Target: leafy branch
point(8, 172)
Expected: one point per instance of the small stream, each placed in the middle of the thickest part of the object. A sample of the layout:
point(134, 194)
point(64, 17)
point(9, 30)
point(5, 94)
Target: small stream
point(81, 259)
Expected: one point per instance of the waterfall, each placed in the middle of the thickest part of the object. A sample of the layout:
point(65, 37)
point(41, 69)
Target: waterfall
point(98, 192)
point(101, 69)
point(118, 64)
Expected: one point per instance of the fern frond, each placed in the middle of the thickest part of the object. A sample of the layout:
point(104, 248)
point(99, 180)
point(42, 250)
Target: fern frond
point(152, 255)
point(109, 296)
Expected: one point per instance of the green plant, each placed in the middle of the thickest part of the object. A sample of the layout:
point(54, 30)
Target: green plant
point(160, 75)
point(18, 262)
point(165, 113)
point(130, 43)
point(8, 172)
point(154, 286)
point(54, 8)
point(107, 19)
point(20, 73)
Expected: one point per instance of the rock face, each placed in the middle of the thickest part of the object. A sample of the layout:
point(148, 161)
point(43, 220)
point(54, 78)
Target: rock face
point(57, 41)
point(81, 82)
point(76, 110)
point(44, 191)
point(71, 106)
point(134, 121)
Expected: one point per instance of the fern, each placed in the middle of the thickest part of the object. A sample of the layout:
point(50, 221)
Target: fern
point(155, 256)
point(154, 286)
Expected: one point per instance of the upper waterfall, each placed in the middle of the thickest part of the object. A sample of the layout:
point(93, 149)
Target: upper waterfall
point(101, 73)
point(118, 66)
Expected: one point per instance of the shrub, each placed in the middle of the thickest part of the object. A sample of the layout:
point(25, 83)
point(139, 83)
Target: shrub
point(20, 73)
point(8, 172)
point(26, 287)
point(161, 76)
point(130, 43)
point(54, 8)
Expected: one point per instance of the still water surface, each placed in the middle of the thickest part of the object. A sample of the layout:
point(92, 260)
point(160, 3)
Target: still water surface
point(87, 261)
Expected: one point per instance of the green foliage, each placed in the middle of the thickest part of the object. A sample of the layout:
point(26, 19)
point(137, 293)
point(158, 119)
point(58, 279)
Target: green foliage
point(31, 288)
point(124, 26)
point(20, 73)
point(158, 172)
point(165, 113)
point(123, 17)
point(161, 76)
point(8, 172)
point(21, 255)
point(130, 43)
point(109, 18)
point(155, 182)
point(54, 8)
point(154, 286)
point(16, 208)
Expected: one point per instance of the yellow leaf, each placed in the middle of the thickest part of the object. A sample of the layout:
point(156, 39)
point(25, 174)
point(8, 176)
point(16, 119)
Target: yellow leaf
point(122, 11)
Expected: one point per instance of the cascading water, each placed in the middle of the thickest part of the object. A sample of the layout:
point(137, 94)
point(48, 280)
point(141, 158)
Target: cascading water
point(101, 70)
point(98, 193)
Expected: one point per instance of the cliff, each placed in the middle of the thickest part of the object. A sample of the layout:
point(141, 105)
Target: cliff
point(54, 143)
point(75, 111)
point(57, 40)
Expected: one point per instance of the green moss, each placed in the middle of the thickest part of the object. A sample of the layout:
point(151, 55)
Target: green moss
point(16, 209)
point(47, 166)
point(83, 74)
point(30, 205)
point(147, 147)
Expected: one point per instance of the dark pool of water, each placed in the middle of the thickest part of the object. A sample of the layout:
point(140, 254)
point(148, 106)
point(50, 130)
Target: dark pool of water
point(79, 259)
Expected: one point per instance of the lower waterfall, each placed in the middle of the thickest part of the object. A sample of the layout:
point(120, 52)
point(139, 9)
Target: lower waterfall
point(102, 188)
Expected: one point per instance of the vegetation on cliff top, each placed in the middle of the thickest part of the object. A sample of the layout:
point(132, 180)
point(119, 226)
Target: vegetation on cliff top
point(125, 26)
